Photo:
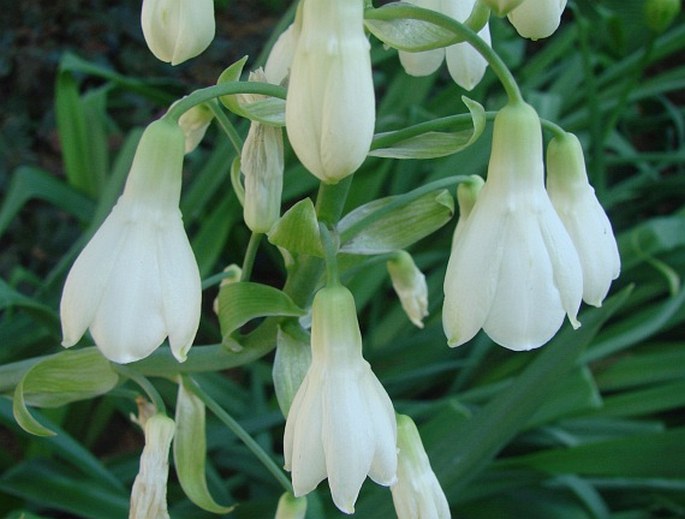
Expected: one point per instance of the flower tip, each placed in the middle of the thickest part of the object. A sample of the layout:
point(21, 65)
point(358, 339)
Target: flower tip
point(454, 342)
point(575, 322)
point(68, 343)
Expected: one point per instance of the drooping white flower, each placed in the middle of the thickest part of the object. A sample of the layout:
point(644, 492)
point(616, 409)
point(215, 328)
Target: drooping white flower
point(194, 124)
point(410, 285)
point(513, 269)
point(341, 424)
point(136, 281)
point(261, 162)
point(330, 107)
point(584, 218)
point(417, 493)
point(177, 30)
point(465, 65)
point(148, 496)
point(536, 19)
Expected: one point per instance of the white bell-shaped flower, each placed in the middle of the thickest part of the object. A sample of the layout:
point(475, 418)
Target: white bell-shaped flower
point(148, 496)
point(177, 30)
point(465, 65)
point(341, 424)
point(584, 218)
point(137, 281)
point(537, 19)
point(417, 493)
point(330, 109)
point(513, 269)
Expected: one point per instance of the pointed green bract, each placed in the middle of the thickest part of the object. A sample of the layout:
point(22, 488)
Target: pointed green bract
point(190, 451)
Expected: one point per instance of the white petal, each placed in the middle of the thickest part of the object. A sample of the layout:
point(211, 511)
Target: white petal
point(382, 414)
point(593, 238)
point(181, 291)
point(307, 457)
point(419, 64)
point(537, 19)
point(526, 310)
point(473, 268)
point(88, 277)
point(465, 65)
point(568, 275)
point(196, 29)
point(347, 436)
point(129, 325)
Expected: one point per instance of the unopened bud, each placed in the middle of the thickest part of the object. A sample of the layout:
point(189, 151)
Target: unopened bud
point(410, 285)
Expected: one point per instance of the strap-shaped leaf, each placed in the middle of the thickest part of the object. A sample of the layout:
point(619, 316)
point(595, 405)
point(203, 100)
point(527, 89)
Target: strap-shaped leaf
point(190, 451)
point(59, 379)
point(393, 225)
point(415, 143)
point(298, 230)
point(243, 301)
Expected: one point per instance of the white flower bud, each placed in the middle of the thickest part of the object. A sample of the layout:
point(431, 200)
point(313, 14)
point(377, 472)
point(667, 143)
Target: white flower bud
point(341, 424)
point(513, 269)
point(417, 493)
point(585, 220)
point(137, 281)
point(410, 285)
point(330, 109)
point(537, 19)
point(194, 124)
point(177, 30)
point(148, 496)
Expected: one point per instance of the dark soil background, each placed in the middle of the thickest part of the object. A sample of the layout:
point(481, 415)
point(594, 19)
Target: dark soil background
point(34, 34)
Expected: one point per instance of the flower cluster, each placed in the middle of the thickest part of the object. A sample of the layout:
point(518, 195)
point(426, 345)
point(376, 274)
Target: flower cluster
point(524, 254)
point(520, 262)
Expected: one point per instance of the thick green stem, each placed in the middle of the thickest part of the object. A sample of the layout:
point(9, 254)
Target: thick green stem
point(462, 33)
point(330, 201)
point(331, 252)
point(241, 433)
